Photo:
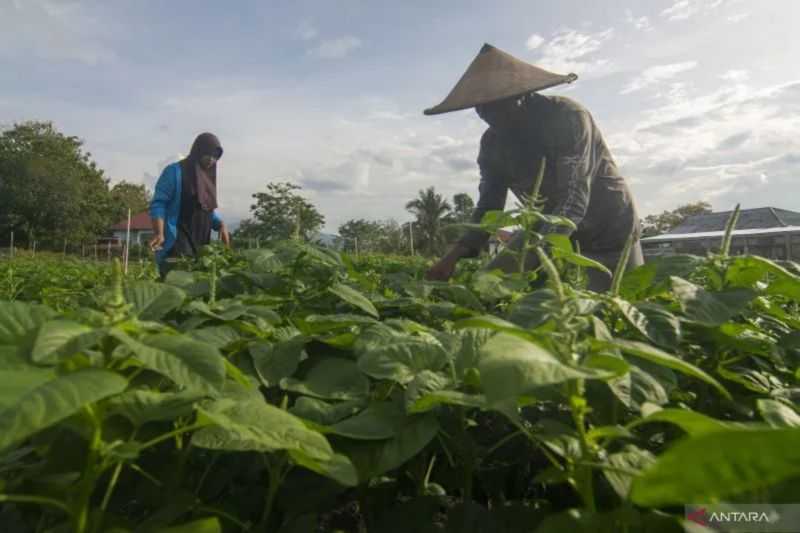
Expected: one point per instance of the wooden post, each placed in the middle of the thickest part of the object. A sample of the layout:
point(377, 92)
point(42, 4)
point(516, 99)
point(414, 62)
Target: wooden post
point(65, 247)
point(34, 248)
point(95, 251)
point(127, 242)
point(83, 251)
point(108, 251)
point(356, 245)
point(12, 245)
point(411, 236)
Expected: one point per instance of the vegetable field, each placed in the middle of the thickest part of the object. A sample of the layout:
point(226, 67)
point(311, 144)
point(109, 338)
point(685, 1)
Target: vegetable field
point(292, 389)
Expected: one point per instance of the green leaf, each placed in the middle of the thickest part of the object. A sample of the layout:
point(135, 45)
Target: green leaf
point(707, 308)
point(194, 365)
point(534, 309)
point(325, 413)
point(217, 336)
point(188, 282)
point(204, 525)
point(653, 277)
point(19, 323)
point(55, 400)
point(63, 337)
point(745, 271)
point(562, 249)
point(376, 422)
point(629, 458)
point(691, 422)
point(447, 397)
point(153, 301)
point(280, 360)
point(354, 298)
point(653, 354)
point(323, 323)
point(375, 458)
point(778, 414)
point(385, 353)
point(652, 321)
point(493, 323)
point(19, 381)
point(143, 406)
point(332, 379)
point(244, 422)
point(423, 384)
point(718, 465)
point(512, 367)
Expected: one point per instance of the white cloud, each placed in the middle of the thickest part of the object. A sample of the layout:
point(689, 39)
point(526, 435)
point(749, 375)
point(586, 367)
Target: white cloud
point(306, 31)
point(55, 31)
point(685, 9)
point(736, 76)
point(656, 74)
point(735, 144)
point(573, 51)
point(640, 23)
point(738, 17)
point(336, 48)
point(534, 41)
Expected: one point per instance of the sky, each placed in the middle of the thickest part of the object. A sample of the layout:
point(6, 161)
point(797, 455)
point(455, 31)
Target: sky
point(697, 99)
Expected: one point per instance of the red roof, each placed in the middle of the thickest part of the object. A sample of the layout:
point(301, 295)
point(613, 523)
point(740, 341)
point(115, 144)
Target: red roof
point(139, 221)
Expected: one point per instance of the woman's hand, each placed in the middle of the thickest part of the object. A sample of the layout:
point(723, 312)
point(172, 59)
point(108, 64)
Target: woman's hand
point(225, 235)
point(157, 242)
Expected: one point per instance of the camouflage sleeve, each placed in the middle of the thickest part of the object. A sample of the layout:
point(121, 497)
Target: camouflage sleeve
point(492, 193)
point(573, 172)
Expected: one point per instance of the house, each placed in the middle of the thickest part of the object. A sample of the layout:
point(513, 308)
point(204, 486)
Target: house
point(765, 231)
point(141, 230)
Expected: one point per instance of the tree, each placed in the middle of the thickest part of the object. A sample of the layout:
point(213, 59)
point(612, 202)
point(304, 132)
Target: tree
point(658, 224)
point(463, 206)
point(360, 234)
point(126, 195)
point(430, 209)
point(281, 213)
point(50, 189)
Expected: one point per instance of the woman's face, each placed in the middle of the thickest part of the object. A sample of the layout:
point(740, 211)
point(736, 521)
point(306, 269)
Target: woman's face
point(208, 161)
point(499, 114)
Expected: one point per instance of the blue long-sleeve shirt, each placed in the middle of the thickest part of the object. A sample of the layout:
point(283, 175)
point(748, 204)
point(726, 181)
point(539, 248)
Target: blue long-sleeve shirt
point(166, 205)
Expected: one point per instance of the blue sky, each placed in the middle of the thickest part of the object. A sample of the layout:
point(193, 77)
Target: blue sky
point(698, 99)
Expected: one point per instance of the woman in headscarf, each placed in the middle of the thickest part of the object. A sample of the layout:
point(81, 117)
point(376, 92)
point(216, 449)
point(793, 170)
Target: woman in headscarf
point(184, 203)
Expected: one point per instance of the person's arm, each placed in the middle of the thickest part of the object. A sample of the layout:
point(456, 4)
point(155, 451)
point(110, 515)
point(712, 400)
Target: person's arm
point(165, 189)
point(219, 226)
point(492, 193)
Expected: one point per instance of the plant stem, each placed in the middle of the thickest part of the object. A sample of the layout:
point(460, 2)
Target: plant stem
point(729, 227)
point(173, 433)
point(622, 264)
point(40, 500)
point(276, 473)
point(91, 472)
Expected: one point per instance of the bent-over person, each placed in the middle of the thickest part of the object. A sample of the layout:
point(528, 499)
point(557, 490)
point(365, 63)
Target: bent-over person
point(581, 180)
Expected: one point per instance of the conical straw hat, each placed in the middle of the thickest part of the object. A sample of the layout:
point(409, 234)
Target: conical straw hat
point(494, 75)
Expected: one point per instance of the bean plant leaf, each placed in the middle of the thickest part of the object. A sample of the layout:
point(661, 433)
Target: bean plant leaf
point(376, 422)
point(745, 271)
point(778, 414)
point(512, 367)
point(653, 354)
point(191, 364)
point(654, 276)
point(18, 381)
point(691, 422)
point(331, 378)
point(354, 298)
point(709, 308)
point(385, 353)
point(153, 301)
point(19, 323)
point(63, 337)
point(719, 464)
point(55, 400)
point(204, 525)
point(143, 406)
point(279, 360)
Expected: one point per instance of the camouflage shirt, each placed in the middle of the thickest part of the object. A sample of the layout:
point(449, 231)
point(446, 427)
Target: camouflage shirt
point(581, 180)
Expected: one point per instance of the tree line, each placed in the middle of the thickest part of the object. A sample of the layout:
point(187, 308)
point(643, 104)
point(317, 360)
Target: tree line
point(51, 191)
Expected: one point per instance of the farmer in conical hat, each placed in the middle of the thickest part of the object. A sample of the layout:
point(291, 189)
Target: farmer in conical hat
point(581, 180)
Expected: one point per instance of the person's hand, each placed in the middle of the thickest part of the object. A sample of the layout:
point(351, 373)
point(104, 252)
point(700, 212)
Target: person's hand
point(157, 242)
point(442, 270)
point(225, 236)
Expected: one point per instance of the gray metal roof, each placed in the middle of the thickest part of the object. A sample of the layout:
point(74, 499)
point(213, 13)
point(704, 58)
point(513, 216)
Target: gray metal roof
point(758, 218)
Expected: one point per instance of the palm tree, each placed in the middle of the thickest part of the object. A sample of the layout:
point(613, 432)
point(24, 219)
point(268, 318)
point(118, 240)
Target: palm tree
point(429, 208)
